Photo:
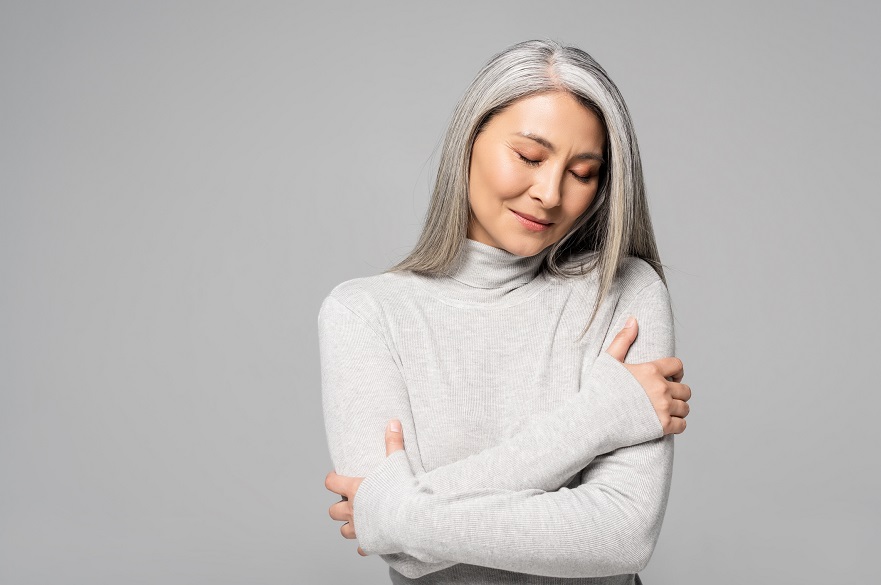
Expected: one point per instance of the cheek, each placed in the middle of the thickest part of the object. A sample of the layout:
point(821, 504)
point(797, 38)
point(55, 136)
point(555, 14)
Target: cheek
point(578, 203)
point(501, 177)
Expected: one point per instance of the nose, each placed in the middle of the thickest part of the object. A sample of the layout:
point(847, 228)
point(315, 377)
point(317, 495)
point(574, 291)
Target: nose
point(547, 186)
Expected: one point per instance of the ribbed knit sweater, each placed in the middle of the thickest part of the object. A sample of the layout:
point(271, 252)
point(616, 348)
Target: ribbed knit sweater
point(531, 456)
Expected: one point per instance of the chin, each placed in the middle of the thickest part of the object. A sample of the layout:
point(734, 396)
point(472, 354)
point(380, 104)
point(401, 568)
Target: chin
point(523, 246)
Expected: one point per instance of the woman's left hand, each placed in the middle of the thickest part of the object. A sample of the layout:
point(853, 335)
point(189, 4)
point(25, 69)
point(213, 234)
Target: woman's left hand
point(348, 486)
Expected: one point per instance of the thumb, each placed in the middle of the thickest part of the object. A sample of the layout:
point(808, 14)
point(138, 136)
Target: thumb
point(394, 437)
point(625, 338)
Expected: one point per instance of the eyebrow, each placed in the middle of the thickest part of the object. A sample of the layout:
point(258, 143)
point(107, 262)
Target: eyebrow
point(547, 144)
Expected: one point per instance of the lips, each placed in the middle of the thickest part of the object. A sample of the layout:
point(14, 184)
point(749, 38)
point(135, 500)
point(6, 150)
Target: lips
point(533, 218)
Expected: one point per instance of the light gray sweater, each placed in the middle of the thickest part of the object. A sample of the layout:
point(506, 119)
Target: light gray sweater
point(531, 457)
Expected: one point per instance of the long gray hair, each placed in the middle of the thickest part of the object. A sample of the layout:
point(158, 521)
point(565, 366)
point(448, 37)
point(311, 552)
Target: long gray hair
point(617, 222)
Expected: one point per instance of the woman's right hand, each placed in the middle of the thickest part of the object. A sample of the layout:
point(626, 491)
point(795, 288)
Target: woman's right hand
point(661, 380)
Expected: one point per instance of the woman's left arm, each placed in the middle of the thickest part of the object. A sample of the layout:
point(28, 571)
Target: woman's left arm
point(609, 525)
point(606, 526)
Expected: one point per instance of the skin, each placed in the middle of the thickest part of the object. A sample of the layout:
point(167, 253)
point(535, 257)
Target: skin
point(558, 187)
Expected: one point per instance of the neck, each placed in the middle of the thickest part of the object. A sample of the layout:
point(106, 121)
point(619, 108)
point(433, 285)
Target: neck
point(484, 273)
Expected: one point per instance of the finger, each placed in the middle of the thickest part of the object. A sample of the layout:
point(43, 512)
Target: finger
point(679, 408)
point(333, 482)
point(394, 437)
point(680, 391)
point(337, 512)
point(341, 511)
point(343, 485)
point(624, 339)
point(671, 367)
point(679, 424)
point(361, 552)
point(348, 531)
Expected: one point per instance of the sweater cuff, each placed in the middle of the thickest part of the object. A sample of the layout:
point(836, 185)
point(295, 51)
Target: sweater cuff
point(378, 505)
point(626, 401)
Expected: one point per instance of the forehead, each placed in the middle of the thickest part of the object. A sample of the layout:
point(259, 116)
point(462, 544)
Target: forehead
point(558, 116)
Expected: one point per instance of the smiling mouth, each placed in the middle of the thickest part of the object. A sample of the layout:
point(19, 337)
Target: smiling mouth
point(532, 219)
point(531, 224)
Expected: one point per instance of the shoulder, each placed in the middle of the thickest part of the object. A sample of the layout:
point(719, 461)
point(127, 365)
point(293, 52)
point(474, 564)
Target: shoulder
point(638, 279)
point(635, 277)
point(368, 297)
point(636, 273)
point(633, 274)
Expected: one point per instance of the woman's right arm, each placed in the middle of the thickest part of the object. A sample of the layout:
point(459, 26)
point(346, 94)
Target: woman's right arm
point(362, 387)
point(607, 526)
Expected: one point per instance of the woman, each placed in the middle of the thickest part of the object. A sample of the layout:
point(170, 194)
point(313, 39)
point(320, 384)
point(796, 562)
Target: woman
point(531, 448)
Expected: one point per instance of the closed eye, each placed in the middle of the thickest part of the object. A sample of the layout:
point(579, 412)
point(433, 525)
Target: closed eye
point(532, 163)
point(527, 160)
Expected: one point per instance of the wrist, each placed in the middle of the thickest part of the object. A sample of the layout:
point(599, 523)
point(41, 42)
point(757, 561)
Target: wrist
point(378, 507)
point(627, 404)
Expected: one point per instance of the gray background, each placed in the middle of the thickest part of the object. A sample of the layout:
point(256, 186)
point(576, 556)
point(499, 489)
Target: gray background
point(182, 184)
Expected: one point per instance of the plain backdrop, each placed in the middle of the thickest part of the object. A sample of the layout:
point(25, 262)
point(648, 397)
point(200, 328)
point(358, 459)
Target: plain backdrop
point(182, 183)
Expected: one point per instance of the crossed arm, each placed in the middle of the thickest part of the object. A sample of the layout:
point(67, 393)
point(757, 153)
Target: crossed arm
point(505, 507)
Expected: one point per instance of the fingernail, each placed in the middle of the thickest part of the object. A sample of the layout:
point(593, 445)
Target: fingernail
point(630, 321)
point(395, 426)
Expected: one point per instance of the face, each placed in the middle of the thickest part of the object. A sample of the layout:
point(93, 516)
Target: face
point(540, 159)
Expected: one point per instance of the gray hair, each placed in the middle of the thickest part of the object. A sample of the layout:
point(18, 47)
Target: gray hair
point(617, 222)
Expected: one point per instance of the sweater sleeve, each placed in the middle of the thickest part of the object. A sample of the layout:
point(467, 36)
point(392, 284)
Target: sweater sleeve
point(362, 388)
point(607, 526)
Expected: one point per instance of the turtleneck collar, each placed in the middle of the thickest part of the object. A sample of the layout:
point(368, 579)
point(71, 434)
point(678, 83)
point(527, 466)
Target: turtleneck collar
point(484, 273)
